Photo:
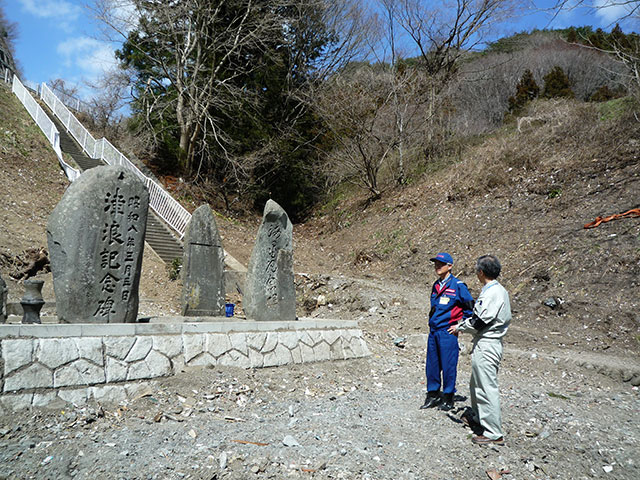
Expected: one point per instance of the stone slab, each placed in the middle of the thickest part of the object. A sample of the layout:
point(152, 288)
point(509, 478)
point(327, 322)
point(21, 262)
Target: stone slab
point(179, 327)
point(203, 282)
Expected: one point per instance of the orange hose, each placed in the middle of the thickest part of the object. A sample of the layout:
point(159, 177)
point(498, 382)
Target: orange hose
point(634, 212)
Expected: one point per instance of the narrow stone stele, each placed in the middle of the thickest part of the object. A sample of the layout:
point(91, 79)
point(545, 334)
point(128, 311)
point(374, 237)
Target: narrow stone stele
point(269, 290)
point(96, 240)
point(203, 289)
point(4, 293)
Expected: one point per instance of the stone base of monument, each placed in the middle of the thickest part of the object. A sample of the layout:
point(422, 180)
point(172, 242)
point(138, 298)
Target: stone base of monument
point(77, 363)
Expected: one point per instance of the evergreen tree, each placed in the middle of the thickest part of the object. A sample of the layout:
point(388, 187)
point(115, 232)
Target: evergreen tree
point(598, 39)
point(219, 84)
point(605, 93)
point(526, 90)
point(557, 84)
point(618, 40)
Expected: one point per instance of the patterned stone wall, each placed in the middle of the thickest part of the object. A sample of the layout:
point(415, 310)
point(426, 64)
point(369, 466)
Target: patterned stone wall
point(38, 366)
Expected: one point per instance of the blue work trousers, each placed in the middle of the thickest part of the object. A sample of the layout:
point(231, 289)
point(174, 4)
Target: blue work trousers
point(442, 356)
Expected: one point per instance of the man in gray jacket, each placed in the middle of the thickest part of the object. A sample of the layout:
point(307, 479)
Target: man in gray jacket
point(489, 323)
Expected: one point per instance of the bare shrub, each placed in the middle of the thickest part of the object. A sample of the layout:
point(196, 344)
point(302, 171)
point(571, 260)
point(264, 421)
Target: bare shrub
point(486, 82)
point(502, 162)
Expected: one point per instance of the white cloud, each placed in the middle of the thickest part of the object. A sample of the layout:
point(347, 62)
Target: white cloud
point(52, 9)
point(610, 11)
point(92, 57)
point(61, 12)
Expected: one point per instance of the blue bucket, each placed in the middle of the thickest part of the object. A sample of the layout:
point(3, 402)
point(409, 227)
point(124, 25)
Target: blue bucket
point(228, 309)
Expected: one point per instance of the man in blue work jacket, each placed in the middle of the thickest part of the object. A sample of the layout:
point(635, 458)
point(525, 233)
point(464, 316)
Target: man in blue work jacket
point(450, 303)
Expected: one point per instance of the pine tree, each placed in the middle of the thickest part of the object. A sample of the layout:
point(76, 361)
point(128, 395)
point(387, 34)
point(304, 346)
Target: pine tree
point(598, 39)
point(605, 93)
point(526, 90)
point(557, 84)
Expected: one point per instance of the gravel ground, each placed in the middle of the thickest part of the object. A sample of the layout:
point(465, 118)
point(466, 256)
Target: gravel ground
point(336, 420)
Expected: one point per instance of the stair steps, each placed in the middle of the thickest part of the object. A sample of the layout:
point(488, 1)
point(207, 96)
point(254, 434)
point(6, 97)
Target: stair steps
point(158, 236)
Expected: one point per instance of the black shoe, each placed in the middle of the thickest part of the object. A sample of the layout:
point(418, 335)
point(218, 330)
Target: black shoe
point(433, 399)
point(467, 419)
point(447, 402)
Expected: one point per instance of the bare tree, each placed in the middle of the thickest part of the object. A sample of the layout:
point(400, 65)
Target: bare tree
point(628, 53)
point(398, 107)
point(443, 33)
point(360, 107)
point(187, 57)
point(8, 36)
point(112, 94)
point(407, 90)
point(65, 90)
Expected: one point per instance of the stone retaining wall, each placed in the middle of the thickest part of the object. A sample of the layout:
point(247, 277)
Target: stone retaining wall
point(74, 363)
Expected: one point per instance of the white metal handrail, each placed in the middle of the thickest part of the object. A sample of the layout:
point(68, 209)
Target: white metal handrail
point(70, 101)
point(44, 122)
point(167, 208)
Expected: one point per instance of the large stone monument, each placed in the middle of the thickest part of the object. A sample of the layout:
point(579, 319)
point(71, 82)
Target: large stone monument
point(203, 290)
point(269, 290)
point(96, 239)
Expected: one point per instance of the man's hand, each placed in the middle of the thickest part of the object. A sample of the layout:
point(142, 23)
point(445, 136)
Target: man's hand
point(453, 329)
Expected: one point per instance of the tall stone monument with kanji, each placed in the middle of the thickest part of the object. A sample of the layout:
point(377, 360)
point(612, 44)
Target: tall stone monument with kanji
point(96, 240)
point(269, 289)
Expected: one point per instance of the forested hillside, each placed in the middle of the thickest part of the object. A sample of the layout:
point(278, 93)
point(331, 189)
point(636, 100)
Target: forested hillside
point(237, 102)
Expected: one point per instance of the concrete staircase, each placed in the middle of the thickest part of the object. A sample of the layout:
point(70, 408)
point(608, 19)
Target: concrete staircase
point(158, 235)
point(161, 240)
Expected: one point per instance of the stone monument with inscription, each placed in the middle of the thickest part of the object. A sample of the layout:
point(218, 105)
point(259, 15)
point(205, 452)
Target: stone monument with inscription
point(96, 239)
point(203, 290)
point(269, 289)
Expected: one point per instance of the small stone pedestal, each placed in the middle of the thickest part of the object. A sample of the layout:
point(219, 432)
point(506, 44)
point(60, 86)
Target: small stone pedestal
point(32, 301)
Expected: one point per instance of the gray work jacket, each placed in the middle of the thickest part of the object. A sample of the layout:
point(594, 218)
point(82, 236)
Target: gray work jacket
point(491, 313)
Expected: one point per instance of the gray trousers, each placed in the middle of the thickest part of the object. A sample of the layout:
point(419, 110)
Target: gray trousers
point(483, 387)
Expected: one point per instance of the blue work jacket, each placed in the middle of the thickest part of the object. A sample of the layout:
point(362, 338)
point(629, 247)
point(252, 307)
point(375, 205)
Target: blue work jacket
point(450, 303)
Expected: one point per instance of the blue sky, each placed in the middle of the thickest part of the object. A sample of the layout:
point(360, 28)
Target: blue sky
point(61, 38)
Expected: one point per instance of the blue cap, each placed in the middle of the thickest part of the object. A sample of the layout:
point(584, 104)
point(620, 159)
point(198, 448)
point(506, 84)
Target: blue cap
point(443, 257)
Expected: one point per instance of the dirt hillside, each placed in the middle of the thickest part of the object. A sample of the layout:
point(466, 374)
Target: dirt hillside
point(569, 405)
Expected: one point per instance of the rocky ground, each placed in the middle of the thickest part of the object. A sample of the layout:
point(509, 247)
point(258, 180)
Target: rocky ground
point(339, 420)
point(565, 414)
point(570, 406)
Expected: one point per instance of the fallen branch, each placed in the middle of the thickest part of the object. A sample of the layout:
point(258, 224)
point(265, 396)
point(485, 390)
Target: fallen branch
point(247, 442)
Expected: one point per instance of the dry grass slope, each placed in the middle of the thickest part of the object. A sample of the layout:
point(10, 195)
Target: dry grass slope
point(524, 196)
